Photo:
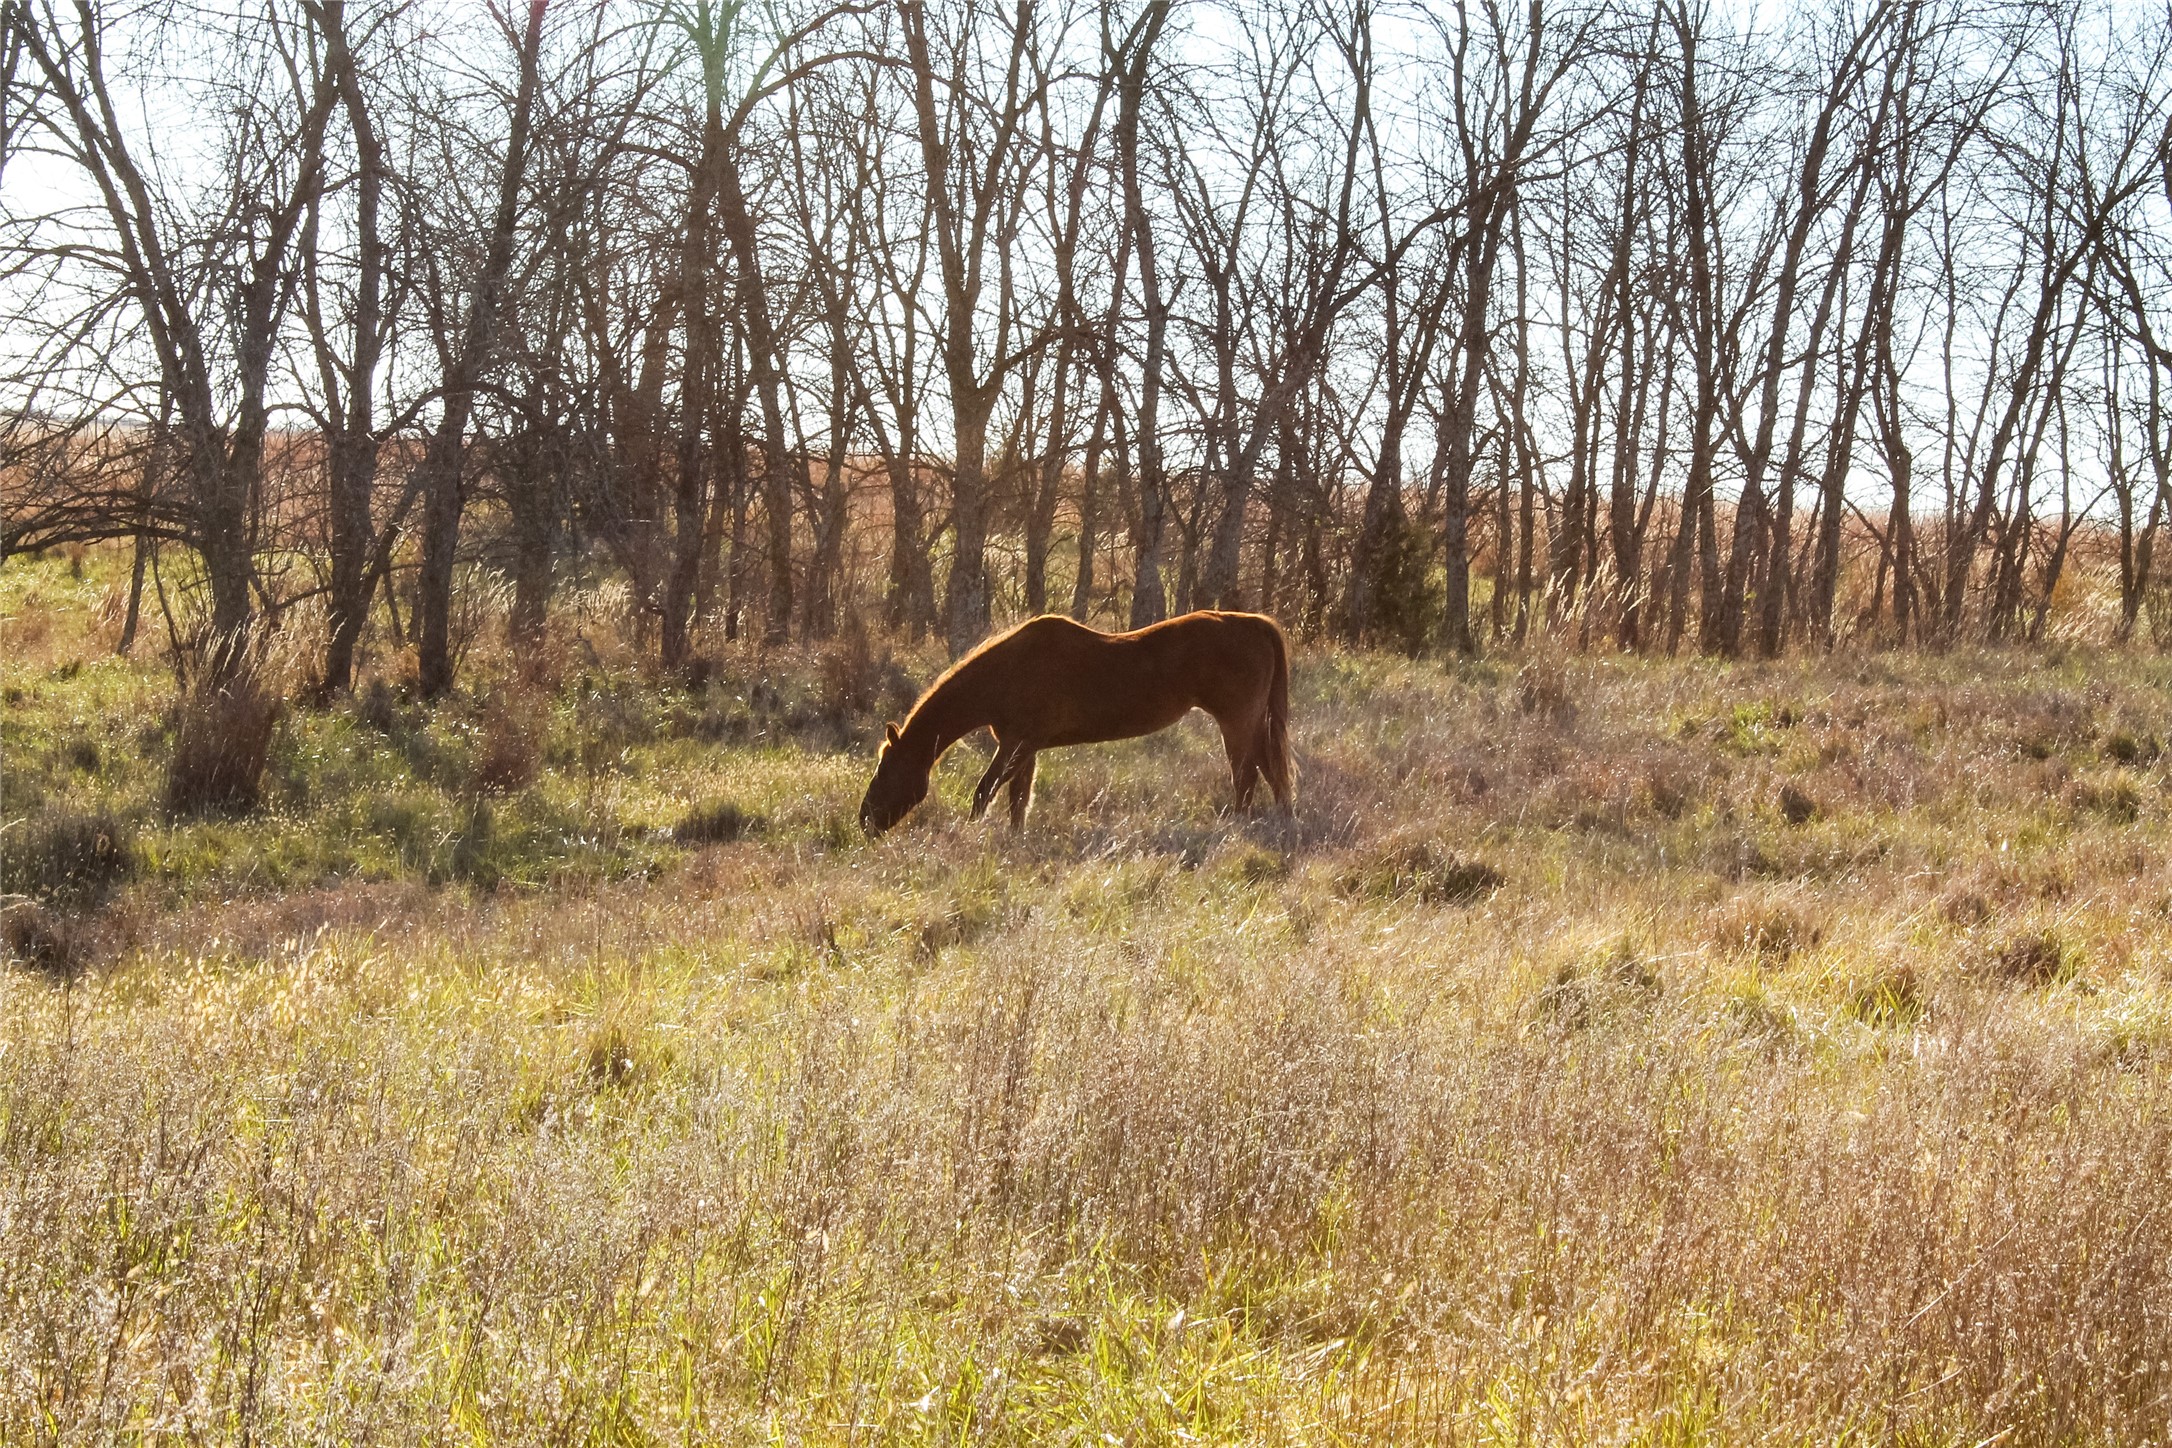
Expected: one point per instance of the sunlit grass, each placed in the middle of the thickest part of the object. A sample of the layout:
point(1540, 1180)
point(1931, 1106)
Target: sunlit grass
point(1610, 1050)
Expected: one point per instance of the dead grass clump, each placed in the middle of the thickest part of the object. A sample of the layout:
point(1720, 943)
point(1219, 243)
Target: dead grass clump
point(222, 741)
point(1964, 907)
point(39, 939)
point(2112, 795)
point(545, 664)
point(720, 822)
point(1426, 870)
point(1586, 990)
point(1592, 795)
point(1892, 998)
point(1253, 865)
point(965, 920)
point(474, 855)
point(1544, 691)
point(2131, 747)
point(2045, 724)
point(610, 1063)
point(618, 1059)
point(510, 755)
point(1757, 1016)
point(1469, 782)
point(1670, 789)
point(978, 904)
point(2011, 879)
point(1770, 930)
point(83, 754)
point(1752, 728)
point(73, 860)
point(265, 927)
point(2032, 960)
point(1735, 854)
point(28, 630)
point(2050, 778)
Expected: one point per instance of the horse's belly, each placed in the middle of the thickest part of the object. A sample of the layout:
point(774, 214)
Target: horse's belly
point(1099, 723)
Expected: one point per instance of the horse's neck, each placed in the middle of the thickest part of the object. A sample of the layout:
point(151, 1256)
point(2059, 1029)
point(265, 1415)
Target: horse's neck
point(943, 718)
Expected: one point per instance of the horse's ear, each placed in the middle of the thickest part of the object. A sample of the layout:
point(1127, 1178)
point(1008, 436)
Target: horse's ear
point(889, 732)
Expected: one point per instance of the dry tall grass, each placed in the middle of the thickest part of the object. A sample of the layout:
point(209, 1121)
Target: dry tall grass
point(1557, 1076)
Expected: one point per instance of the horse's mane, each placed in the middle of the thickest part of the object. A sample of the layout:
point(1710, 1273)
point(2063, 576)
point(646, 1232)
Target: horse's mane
point(957, 667)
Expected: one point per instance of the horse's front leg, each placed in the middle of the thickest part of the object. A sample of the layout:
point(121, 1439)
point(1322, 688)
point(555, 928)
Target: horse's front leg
point(984, 792)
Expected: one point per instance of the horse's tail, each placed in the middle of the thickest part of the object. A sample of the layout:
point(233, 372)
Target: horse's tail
point(1281, 769)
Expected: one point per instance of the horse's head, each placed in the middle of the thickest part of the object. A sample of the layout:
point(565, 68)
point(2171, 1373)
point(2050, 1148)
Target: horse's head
point(898, 785)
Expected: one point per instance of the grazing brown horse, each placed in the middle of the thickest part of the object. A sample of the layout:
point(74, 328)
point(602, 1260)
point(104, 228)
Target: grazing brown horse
point(1051, 682)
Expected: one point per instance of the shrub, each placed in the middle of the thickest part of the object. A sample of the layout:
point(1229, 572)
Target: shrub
point(1408, 596)
point(511, 752)
point(474, 858)
point(222, 741)
point(378, 707)
point(857, 680)
point(67, 859)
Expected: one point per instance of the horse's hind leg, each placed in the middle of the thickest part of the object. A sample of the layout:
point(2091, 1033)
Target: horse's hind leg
point(1022, 788)
point(1244, 764)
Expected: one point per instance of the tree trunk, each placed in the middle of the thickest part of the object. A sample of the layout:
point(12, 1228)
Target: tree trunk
point(1149, 603)
point(965, 594)
point(764, 371)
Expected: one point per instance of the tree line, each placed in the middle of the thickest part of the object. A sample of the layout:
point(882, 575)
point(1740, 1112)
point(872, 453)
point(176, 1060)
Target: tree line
point(1675, 324)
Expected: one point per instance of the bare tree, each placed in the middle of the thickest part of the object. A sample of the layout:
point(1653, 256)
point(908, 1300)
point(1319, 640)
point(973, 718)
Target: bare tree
point(975, 153)
point(1497, 101)
point(209, 277)
point(466, 363)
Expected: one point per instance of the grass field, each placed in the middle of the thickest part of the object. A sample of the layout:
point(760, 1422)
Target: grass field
point(1611, 1050)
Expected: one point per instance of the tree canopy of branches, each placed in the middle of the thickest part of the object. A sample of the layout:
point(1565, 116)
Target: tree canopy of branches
point(1665, 324)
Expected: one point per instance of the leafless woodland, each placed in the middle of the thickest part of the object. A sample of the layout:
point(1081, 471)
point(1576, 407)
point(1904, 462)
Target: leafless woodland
point(1665, 325)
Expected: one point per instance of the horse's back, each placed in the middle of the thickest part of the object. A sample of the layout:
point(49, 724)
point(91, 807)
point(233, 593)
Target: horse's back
point(1064, 683)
